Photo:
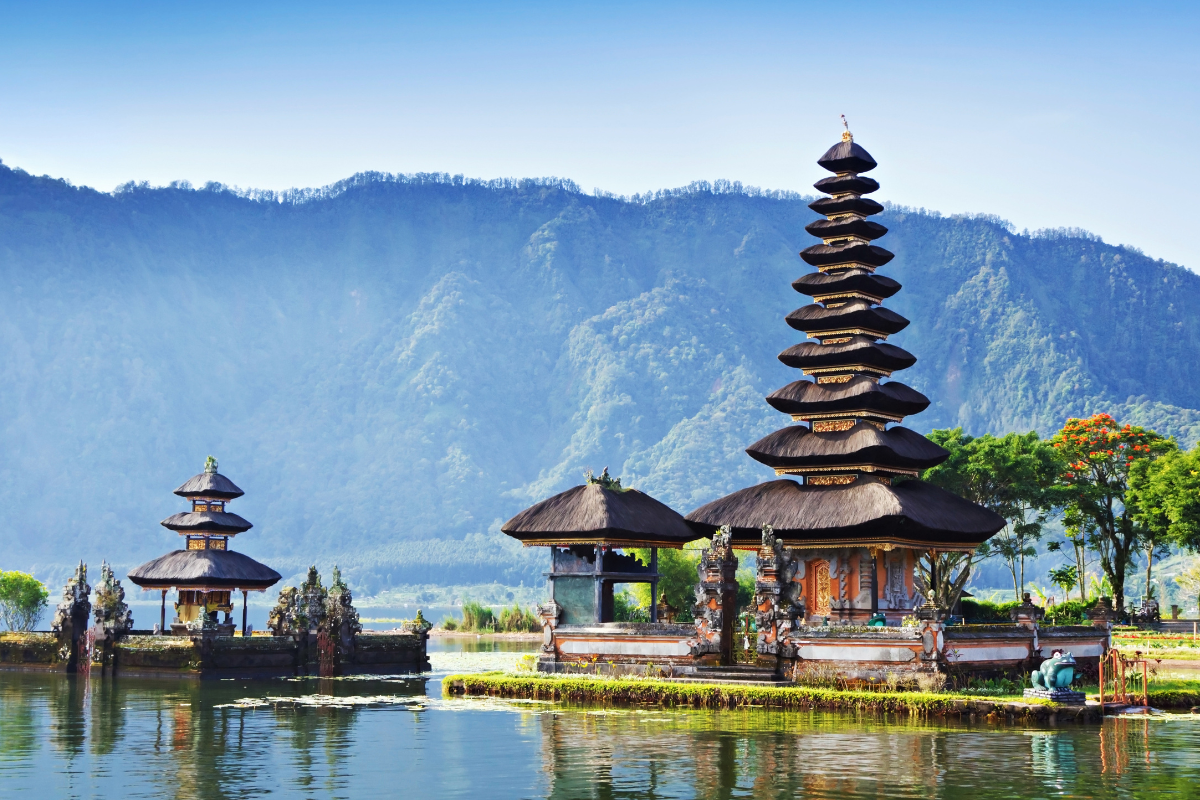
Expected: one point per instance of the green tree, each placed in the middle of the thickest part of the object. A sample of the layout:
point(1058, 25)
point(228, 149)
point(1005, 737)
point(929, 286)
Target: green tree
point(23, 599)
point(1012, 475)
point(1189, 581)
point(1097, 455)
point(1065, 578)
point(1164, 494)
point(678, 582)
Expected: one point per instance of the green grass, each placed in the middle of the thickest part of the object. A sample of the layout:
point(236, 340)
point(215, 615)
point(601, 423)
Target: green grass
point(650, 691)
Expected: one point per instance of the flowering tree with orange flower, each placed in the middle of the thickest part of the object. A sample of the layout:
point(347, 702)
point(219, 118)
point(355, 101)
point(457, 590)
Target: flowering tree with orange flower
point(1099, 454)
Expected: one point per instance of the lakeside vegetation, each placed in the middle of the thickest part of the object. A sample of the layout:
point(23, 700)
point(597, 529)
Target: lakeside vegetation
point(478, 618)
point(1005, 699)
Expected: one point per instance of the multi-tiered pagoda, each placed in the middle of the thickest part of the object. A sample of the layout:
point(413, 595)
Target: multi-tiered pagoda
point(206, 572)
point(857, 510)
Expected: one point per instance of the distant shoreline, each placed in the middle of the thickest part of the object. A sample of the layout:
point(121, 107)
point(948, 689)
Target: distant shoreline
point(512, 637)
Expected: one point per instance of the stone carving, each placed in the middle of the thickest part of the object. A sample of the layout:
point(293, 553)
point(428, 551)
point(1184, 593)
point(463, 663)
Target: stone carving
point(716, 592)
point(896, 592)
point(283, 617)
point(1052, 680)
point(340, 615)
point(778, 598)
point(551, 613)
point(71, 621)
point(111, 611)
point(312, 599)
point(1027, 614)
point(75, 607)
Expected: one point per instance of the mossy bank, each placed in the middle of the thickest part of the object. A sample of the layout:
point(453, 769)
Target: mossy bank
point(641, 691)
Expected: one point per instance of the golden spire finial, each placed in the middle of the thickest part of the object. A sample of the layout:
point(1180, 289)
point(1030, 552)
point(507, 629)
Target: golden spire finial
point(847, 136)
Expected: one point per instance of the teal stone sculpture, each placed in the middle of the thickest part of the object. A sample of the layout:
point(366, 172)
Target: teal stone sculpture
point(1056, 672)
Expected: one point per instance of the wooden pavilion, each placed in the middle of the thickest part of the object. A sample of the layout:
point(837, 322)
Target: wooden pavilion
point(585, 527)
point(205, 573)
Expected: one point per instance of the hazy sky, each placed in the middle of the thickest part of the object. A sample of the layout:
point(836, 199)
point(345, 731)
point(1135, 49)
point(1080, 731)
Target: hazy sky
point(1047, 114)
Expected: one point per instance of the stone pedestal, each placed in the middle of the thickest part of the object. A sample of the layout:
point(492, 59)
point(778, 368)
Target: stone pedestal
point(1068, 697)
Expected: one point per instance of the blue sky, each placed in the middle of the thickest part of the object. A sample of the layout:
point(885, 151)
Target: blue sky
point(1047, 114)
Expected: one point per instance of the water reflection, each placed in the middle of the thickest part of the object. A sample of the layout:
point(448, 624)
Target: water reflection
point(63, 736)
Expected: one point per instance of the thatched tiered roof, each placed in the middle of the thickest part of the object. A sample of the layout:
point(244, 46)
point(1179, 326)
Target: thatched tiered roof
point(847, 455)
point(207, 563)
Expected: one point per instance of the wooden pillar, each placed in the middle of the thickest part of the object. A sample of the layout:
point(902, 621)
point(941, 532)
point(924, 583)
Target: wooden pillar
point(654, 584)
point(245, 599)
point(599, 584)
point(162, 625)
point(550, 577)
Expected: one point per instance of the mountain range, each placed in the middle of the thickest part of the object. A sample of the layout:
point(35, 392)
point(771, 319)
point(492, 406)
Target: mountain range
point(392, 366)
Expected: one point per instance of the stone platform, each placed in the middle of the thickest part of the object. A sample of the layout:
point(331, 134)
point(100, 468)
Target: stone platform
point(1065, 696)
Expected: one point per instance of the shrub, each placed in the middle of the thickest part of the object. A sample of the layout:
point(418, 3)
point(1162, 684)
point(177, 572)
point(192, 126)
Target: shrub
point(984, 612)
point(1072, 612)
point(23, 598)
point(627, 609)
point(518, 620)
point(450, 623)
point(477, 617)
point(931, 682)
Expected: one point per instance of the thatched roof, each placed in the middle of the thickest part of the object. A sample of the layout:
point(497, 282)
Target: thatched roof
point(209, 484)
point(206, 522)
point(860, 349)
point(846, 226)
point(846, 156)
point(866, 512)
point(847, 184)
point(860, 393)
point(592, 514)
point(855, 313)
point(846, 205)
point(797, 446)
point(199, 569)
point(850, 280)
point(824, 255)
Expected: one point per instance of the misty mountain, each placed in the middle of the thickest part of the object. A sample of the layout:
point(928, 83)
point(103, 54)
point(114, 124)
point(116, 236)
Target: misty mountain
point(392, 366)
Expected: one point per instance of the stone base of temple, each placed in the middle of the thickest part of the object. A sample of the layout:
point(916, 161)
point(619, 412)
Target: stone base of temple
point(216, 657)
point(852, 653)
point(1064, 696)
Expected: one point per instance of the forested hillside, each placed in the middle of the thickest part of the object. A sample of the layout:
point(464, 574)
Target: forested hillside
point(392, 366)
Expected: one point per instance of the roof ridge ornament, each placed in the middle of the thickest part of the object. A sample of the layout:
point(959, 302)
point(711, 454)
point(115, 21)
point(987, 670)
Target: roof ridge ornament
point(847, 136)
point(605, 481)
point(210, 465)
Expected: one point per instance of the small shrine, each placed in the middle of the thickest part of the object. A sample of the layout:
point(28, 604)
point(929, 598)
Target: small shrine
point(205, 573)
point(585, 528)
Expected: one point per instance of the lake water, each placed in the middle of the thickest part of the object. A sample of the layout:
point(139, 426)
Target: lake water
point(69, 737)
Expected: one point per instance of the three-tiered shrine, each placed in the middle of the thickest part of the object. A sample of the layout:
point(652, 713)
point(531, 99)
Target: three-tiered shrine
point(857, 509)
point(206, 573)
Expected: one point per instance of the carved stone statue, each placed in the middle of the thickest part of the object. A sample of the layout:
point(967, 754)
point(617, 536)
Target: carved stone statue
point(283, 617)
point(716, 596)
point(1052, 680)
point(71, 617)
point(778, 598)
point(312, 599)
point(111, 611)
point(340, 614)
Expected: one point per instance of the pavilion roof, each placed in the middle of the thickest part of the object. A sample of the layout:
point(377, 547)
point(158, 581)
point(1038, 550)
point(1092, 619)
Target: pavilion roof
point(206, 522)
point(593, 514)
point(209, 484)
point(214, 569)
point(863, 513)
